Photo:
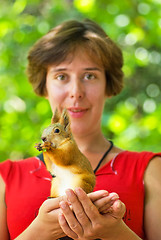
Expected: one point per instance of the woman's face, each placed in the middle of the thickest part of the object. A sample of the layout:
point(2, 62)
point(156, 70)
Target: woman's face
point(78, 84)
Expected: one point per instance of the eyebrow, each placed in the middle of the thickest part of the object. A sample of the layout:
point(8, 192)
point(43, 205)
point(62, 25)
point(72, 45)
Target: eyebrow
point(86, 69)
point(58, 69)
point(92, 69)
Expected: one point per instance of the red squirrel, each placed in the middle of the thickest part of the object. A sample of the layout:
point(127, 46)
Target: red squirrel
point(63, 158)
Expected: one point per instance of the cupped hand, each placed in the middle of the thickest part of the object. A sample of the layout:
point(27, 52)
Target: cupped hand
point(96, 215)
point(47, 219)
point(103, 200)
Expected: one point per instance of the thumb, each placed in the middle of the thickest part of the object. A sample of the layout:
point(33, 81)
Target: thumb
point(118, 209)
point(52, 203)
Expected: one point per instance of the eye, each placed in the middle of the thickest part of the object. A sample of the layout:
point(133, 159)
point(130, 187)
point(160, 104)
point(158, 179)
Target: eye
point(61, 77)
point(89, 76)
point(57, 130)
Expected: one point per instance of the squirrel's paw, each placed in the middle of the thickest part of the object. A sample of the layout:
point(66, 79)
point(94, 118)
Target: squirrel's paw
point(39, 146)
point(43, 146)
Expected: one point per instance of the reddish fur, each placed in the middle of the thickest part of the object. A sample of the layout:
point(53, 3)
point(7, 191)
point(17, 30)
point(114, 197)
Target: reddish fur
point(62, 150)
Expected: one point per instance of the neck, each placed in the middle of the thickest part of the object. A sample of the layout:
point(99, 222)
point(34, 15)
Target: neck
point(91, 143)
point(93, 146)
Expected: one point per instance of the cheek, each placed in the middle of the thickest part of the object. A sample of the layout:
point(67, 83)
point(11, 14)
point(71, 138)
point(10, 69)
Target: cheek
point(97, 95)
point(55, 96)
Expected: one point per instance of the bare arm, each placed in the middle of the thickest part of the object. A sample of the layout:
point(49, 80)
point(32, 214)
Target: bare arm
point(3, 213)
point(152, 216)
point(45, 226)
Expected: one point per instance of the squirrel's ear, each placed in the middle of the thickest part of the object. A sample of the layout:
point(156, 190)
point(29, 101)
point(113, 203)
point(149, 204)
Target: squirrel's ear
point(55, 117)
point(64, 120)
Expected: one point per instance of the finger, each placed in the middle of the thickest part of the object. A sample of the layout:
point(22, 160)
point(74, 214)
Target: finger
point(106, 201)
point(53, 203)
point(113, 196)
point(89, 208)
point(65, 227)
point(77, 208)
point(94, 196)
point(118, 209)
point(106, 208)
point(73, 224)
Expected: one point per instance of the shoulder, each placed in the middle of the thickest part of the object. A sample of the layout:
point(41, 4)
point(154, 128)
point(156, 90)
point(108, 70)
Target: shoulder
point(152, 183)
point(142, 154)
point(9, 167)
point(138, 157)
point(135, 161)
point(3, 212)
point(152, 177)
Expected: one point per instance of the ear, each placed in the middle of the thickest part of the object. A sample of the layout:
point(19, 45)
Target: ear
point(64, 120)
point(55, 117)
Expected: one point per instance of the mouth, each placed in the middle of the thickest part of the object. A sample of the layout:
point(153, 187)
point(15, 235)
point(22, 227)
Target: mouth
point(77, 112)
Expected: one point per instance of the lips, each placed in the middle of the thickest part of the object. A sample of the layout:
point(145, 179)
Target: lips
point(77, 112)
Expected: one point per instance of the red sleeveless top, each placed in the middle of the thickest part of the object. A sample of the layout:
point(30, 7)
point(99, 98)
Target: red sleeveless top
point(28, 185)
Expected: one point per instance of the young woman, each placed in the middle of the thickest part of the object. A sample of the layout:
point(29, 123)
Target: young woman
point(77, 66)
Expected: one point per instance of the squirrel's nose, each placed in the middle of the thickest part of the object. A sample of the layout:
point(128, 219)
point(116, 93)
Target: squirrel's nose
point(44, 139)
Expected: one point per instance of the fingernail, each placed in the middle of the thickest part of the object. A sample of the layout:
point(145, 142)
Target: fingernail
point(78, 191)
point(105, 194)
point(63, 205)
point(118, 204)
point(69, 194)
point(114, 196)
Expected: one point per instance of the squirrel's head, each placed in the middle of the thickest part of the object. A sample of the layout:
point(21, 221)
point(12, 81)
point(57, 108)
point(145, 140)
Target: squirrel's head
point(59, 130)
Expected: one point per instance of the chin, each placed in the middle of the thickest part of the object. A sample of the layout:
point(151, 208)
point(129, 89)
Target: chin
point(77, 129)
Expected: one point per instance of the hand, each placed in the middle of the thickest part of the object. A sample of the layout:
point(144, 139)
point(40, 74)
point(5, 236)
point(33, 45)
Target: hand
point(47, 219)
point(84, 221)
point(103, 200)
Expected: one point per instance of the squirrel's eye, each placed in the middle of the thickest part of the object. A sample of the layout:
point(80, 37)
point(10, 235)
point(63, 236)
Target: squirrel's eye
point(56, 130)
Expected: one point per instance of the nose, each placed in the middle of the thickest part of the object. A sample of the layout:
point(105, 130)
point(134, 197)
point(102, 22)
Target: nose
point(44, 139)
point(77, 90)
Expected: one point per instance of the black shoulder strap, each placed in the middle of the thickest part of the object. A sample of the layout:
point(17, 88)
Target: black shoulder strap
point(40, 156)
point(108, 150)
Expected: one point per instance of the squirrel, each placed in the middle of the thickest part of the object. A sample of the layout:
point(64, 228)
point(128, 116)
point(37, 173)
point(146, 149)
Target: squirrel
point(63, 158)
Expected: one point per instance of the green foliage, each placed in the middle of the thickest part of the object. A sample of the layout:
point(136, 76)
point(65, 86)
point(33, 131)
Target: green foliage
point(131, 119)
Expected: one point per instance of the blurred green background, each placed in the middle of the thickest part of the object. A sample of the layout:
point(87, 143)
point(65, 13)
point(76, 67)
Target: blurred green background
point(132, 119)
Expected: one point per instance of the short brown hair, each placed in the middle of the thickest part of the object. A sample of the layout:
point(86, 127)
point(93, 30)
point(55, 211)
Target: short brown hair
point(56, 45)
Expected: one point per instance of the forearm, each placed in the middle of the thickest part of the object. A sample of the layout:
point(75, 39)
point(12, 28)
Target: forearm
point(38, 231)
point(33, 232)
point(45, 226)
point(122, 232)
